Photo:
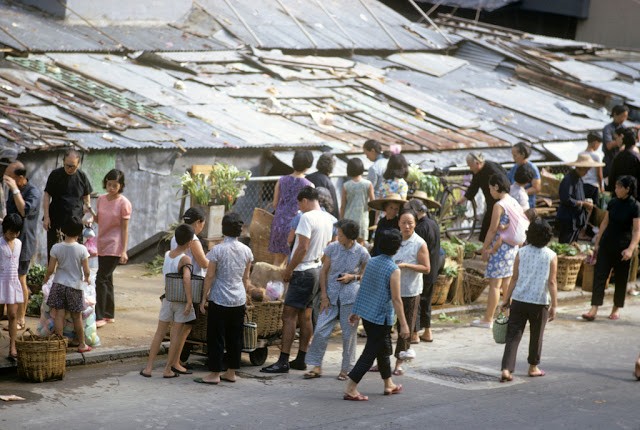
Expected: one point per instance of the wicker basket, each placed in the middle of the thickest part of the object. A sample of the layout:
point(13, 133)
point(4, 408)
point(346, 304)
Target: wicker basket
point(473, 286)
point(568, 268)
point(260, 232)
point(199, 330)
point(441, 290)
point(588, 271)
point(41, 358)
point(268, 316)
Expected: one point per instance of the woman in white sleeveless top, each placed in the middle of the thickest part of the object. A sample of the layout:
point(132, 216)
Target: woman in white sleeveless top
point(532, 296)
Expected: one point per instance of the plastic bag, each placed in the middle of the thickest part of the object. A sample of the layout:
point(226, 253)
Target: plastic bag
point(275, 289)
point(92, 246)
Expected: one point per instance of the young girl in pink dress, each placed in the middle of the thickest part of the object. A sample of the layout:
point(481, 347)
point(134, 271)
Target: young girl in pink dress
point(10, 287)
point(114, 211)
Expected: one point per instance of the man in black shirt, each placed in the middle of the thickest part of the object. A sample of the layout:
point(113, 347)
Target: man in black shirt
point(482, 170)
point(67, 189)
point(24, 200)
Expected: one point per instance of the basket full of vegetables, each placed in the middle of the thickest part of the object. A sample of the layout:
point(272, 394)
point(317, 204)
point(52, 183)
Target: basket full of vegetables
point(569, 263)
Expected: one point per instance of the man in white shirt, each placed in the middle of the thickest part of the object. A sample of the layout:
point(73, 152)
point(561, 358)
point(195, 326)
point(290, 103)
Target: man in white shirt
point(314, 232)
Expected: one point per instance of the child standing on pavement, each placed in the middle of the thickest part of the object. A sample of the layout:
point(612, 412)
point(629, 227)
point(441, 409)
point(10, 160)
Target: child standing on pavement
point(11, 292)
point(532, 296)
point(176, 313)
point(70, 262)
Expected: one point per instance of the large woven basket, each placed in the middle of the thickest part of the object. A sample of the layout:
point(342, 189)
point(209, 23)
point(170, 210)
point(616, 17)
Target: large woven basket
point(441, 290)
point(199, 329)
point(260, 232)
point(568, 268)
point(473, 286)
point(588, 271)
point(41, 358)
point(268, 317)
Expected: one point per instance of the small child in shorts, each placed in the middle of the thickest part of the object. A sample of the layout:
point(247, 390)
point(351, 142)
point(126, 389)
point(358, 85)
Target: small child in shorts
point(70, 262)
point(11, 292)
point(174, 313)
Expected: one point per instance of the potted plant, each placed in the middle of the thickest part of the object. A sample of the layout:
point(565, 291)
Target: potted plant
point(216, 192)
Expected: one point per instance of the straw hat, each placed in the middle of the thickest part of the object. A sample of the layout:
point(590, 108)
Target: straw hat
point(378, 204)
point(421, 195)
point(585, 160)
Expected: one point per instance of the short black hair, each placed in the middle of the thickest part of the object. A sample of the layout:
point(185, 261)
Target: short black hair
point(73, 227)
point(523, 149)
point(373, 145)
point(349, 228)
point(629, 138)
point(594, 137)
point(232, 224)
point(390, 241)
point(355, 167)
point(618, 109)
point(501, 182)
point(12, 222)
point(309, 193)
point(629, 182)
point(539, 233)
point(184, 234)
point(416, 205)
point(524, 174)
point(193, 214)
point(325, 163)
point(302, 160)
point(408, 211)
point(397, 167)
point(114, 175)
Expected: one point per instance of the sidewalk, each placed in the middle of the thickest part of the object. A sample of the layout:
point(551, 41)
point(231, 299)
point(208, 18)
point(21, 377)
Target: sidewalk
point(137, 312)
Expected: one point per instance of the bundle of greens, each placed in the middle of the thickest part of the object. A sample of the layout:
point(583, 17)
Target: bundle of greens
point(563, 249)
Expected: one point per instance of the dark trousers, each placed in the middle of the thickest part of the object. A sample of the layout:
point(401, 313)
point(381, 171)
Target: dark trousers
point(105, 298)
point(566, 232)
point(410, 307)
point(424, 310)
point(610, 258)
point(486, 222)
point(521, 312)
point(593, 193)
point(224, 330)
point(378, 347)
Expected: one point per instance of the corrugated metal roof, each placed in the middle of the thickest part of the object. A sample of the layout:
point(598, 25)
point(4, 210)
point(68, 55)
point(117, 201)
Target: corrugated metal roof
point(327, 24)
point(30, 30)
point(479, 55)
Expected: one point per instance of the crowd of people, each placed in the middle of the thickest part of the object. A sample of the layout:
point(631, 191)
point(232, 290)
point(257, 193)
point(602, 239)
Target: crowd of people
point(322, 245)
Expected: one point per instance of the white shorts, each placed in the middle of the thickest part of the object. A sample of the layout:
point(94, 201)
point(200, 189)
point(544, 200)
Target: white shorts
point(174, 312)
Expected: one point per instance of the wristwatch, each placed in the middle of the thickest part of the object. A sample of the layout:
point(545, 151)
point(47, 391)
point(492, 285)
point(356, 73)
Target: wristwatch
point(15, 192)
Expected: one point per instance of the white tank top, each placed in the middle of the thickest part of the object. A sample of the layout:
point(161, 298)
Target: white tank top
point(171, 264)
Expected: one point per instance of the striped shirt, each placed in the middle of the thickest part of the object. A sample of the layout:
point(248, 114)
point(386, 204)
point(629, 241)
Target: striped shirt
point(373, 302)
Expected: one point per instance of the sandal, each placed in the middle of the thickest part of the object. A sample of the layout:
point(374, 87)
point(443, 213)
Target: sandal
point(535, 375)
point(357, 398)
point(396, 390)
point(86, 348)
point(504, 378)
point(342, 376)
point(312, 375)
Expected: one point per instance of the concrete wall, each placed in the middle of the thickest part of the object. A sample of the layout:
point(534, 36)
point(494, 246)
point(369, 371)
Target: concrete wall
point(124, 12)
point(152, 183)
point(613, 23)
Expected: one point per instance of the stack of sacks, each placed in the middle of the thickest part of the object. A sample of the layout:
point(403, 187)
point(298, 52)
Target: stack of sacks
point(45, 325)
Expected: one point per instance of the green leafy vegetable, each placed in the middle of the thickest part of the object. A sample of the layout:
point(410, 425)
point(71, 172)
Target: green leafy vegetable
point(450, 249)
point(563, 249)
point(450, 271)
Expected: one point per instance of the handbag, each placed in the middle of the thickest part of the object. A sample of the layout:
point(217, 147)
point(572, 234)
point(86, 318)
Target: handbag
point(174, 288)
point(500, 325)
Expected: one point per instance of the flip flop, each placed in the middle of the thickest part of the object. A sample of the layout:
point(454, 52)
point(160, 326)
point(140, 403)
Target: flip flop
point(175, 375)
point(614, 317)
point(588, 317)
point(86, 348)
point(312, 375)
point(396, 390)
point(14, 358)
point(357, 398)
point(202, 381)
point(342, 377)
point(144, 374)
point(537, 374)
point(181, 372)
point(222, 378)
point(426, 340)
point(373, 369)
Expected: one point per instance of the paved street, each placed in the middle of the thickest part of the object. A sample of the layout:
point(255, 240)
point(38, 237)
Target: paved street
point(452, 384)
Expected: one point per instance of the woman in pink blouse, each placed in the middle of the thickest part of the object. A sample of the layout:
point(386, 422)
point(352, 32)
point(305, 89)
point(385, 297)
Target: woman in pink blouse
point(113, 213)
